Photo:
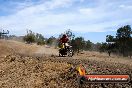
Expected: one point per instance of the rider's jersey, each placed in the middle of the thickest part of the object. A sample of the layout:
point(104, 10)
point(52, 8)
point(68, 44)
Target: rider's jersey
point(64, 40)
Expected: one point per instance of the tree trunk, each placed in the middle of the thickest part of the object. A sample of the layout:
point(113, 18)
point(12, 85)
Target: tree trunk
point(109, 52)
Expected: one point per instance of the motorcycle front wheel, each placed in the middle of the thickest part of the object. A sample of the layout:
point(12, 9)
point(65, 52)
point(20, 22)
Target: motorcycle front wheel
point(70, 52)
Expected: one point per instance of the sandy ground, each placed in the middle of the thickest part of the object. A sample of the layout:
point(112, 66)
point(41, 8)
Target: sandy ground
point(46, 50)
point(91, 55)
point(31, 66)
point(11, 47)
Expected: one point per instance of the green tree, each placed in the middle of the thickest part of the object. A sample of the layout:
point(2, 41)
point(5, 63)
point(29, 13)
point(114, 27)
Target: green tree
point(103, 47)
point(130, 47)
point(111, 42)
point(30, 37)
point(52, 41)
point(88, 45)
point(122, 42)
point(123, 38)
point(96, 47)
point(109, 38)
point(40, 39)
point(78, 44)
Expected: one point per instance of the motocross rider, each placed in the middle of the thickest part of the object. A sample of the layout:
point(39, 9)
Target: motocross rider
point(64, 40)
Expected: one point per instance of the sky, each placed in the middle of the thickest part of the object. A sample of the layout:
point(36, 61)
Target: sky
point(91, 19)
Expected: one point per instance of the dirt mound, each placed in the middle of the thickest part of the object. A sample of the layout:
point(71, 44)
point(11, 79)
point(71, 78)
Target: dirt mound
point(11, 47)
point(8, 46)
point(29, 72)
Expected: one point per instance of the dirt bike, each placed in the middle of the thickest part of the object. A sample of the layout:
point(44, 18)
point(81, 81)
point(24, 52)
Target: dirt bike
point(67, 50)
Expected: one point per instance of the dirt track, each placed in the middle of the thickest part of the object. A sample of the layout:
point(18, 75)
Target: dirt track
point(32, 66)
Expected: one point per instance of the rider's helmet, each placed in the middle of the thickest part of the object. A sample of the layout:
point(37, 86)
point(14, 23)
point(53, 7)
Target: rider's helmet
point(64, 36)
